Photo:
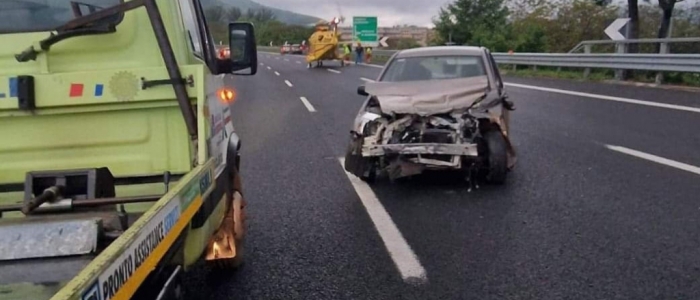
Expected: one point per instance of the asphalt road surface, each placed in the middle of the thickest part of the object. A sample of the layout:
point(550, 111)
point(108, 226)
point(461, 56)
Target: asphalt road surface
point(603, 203)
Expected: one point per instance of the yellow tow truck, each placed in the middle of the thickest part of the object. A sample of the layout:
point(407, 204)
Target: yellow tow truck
point(119, 162)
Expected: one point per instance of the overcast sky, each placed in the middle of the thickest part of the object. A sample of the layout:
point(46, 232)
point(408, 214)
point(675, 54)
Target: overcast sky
point(388, 12)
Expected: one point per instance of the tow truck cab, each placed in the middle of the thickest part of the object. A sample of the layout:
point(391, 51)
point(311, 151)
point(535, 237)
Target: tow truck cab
point(118, 162)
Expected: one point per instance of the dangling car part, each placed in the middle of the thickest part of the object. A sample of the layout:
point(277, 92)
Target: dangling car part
point(434, 108)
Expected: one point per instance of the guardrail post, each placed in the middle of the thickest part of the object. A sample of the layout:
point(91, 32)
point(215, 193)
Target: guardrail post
point(586, 71)
point(660, 75)
point(620, 48)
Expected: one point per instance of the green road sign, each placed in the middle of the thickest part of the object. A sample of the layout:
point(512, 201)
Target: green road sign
point(365, 30)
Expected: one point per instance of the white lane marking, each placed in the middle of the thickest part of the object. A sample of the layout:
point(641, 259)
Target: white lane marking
point(268, 67)
point(286, 59)
point(277, 73)
point(366, 79)
point(262, 64)
point(334, 71)
point(307, 104)
point(298, 62)
point(405, 260)
point(277, 58)
point(604, 97)
point(656, 159)
point(288, 83)
point(371, 65)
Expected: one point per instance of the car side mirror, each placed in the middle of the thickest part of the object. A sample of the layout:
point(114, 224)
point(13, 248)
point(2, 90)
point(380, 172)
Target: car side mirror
point(243, 51)
point(361, 91)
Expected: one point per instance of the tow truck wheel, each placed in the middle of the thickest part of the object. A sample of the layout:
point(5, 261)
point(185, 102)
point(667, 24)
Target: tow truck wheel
point(234, 225)
point(497, 159)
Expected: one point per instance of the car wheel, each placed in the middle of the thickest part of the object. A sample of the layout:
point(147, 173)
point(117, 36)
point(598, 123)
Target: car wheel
point(370, 175)
point(497, 157)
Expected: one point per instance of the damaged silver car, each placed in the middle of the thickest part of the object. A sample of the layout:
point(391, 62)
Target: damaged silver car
point(434, 108)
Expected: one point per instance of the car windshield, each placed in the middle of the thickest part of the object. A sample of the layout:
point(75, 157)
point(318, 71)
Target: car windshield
point(434, 68)
point(44, 15)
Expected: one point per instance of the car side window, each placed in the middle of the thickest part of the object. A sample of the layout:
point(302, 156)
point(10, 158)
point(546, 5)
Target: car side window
point(191, 27)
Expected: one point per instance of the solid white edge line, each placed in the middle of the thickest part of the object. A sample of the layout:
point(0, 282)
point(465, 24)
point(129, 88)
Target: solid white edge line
point(277, 73)
point(366, 79)
point(288, 83)
point(268, 67)
point(604, 97)
point(307, 104)
point(656, 159)
point(401, 253)
point(333, 71)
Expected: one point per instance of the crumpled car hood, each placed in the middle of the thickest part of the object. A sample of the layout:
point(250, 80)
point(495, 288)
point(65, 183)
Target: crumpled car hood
point(428, 97)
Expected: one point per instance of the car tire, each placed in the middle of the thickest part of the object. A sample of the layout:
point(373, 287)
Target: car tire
point(497, 157)
point(371, 175)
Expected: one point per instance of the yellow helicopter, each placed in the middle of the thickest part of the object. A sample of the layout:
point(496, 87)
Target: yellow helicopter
point(323, 44)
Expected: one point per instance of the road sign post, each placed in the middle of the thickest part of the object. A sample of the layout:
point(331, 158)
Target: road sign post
point(364, 31)
point(613, 31)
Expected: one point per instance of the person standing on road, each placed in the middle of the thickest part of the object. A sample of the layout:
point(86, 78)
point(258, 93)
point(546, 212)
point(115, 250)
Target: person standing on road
point(369, 54)
point(358, 54)
point(347, 51)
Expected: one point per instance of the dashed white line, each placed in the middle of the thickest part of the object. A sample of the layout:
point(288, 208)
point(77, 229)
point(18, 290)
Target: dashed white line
point(604, 97)
point(268, 67)
point(366, 79)
point(401, 253)
point(277, 73)
point(262, 64)
point(334, 71)
point(307, 104)
point(277, 58)
point(371, 65)
point(298, 62)
point(288, 83)
point(656, 159)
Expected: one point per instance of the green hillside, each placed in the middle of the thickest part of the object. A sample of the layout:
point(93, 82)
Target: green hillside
point(281, 15)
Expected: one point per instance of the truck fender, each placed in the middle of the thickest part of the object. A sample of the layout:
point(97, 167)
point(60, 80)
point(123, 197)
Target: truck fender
point(231, 155)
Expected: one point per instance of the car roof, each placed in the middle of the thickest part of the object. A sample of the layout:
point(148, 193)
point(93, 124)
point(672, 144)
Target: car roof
point(441, 50)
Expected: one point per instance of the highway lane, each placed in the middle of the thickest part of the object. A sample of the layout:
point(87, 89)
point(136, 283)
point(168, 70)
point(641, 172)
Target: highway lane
point(309, 237)
point(576, 219)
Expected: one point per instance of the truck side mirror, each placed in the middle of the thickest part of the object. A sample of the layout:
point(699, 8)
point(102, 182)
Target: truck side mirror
point(244, 53)
point(361, 91)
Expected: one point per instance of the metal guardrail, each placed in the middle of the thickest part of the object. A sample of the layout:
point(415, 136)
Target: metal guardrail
point(664, 42)
point(647, 62)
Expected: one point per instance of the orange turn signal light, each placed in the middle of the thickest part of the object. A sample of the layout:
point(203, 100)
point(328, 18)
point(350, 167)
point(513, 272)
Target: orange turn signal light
point(226, 95)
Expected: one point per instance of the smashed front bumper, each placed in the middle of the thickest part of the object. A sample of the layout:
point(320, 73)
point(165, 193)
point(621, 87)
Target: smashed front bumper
point(420, 148)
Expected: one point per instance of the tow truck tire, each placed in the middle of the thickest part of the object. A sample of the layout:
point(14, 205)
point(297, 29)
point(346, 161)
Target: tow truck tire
point(239, 218)
point(497, 152)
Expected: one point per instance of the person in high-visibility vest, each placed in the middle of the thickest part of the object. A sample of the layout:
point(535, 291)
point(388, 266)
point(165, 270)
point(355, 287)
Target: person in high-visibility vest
point(346, 52)
point(369, 54)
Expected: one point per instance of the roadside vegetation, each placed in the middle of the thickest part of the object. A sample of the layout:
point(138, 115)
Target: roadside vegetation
point(267, 27)
point(545, 26)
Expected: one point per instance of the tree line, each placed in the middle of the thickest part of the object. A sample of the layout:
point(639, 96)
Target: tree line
point(267, 27)
point(559, 25)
